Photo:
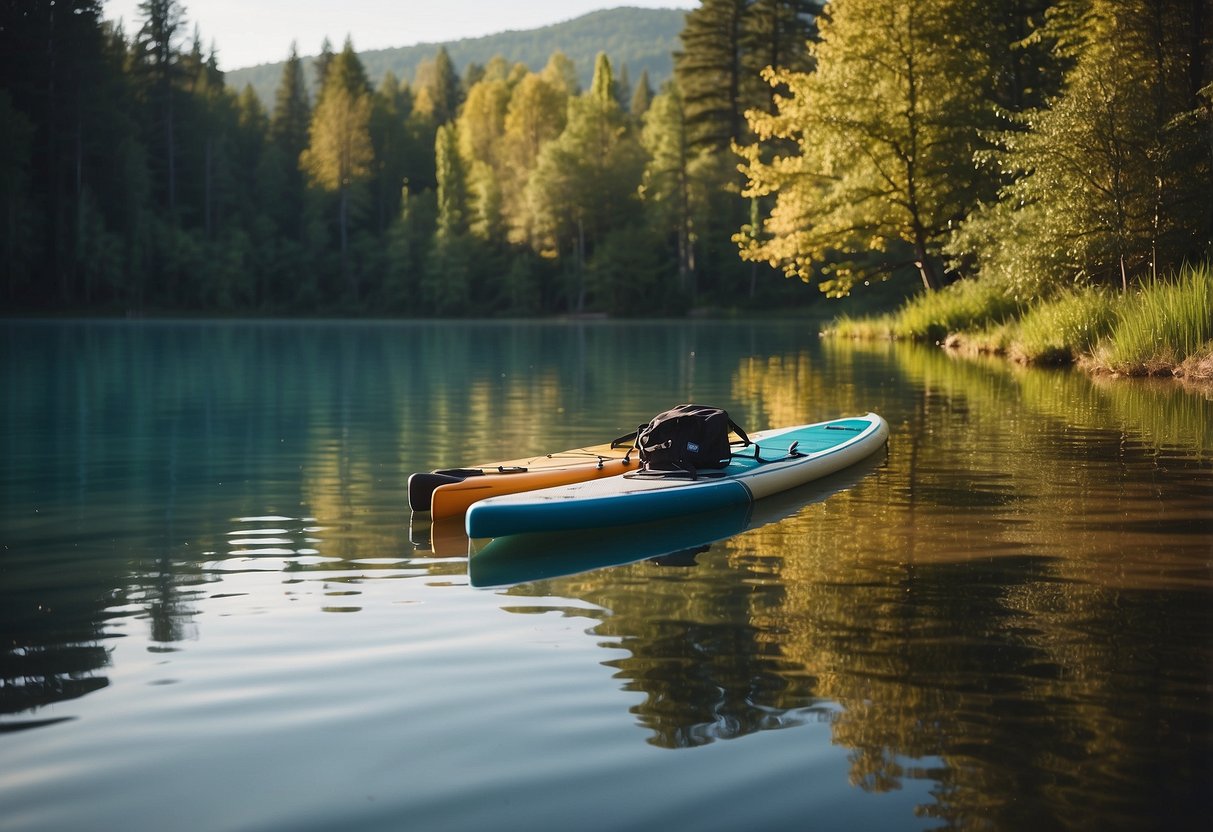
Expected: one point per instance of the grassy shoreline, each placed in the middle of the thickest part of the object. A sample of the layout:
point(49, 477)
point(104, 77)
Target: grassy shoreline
point(1161, 328)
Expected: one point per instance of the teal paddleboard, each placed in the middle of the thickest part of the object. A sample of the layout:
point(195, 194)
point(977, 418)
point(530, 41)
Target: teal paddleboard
point(521, 558)
point(777, 460)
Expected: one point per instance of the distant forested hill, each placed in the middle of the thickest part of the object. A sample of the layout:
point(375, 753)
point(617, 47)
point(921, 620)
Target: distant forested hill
point(638, 39)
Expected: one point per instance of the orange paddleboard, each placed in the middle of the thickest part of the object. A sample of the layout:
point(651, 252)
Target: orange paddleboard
point(453, 499)
point(463, 486)
point(563, 459)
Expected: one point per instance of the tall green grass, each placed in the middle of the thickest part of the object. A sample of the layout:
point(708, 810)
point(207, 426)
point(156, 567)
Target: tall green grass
point(1154, 328)
point(877, 328)
point(1063, 328)
point(967, 305)
point(1161, 325)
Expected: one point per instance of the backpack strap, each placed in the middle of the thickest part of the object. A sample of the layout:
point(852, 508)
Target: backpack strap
point(793, 452)
point(736, 428)
point(626, 438)
point(633, 438)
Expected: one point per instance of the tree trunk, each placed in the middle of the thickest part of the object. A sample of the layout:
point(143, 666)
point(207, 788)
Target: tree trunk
point(926, 269)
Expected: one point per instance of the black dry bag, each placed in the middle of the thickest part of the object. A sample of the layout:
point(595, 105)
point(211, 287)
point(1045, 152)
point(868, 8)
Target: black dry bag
point(687, 438)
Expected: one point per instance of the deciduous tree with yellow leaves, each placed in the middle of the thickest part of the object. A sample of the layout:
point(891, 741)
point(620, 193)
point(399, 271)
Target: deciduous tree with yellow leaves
point(884, 132)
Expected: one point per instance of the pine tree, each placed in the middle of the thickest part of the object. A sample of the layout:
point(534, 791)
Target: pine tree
point(156, 53)
point(292, 110)
point(452, 184)
point(711, 73)
point(392, 104)
point(642, 96)
point(322, 63)
point(667, 187)
point(448, 266)
point(447, 89)
point(208, 118)
point(623, 87)
point(290, 123)
point(60, 86)
point(776, 34)
point(16, 146)
point(339, 154)
point(561, 72)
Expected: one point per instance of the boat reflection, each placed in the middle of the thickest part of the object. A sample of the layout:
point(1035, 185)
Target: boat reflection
point(522, 558)
point(443, 538)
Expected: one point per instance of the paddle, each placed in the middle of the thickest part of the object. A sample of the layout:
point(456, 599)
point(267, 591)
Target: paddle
point(422, 485)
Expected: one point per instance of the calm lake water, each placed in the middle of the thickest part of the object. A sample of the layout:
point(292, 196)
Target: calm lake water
point(218, 614)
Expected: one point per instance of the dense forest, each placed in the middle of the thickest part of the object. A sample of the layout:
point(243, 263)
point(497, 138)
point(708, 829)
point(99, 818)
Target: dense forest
point(1037, 143)
point(639, 40)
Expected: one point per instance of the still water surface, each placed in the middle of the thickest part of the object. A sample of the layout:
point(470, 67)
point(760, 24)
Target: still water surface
point(217, 613)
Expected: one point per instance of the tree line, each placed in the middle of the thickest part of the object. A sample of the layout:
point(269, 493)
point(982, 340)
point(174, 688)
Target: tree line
point(1033, 140)
point(134, 179)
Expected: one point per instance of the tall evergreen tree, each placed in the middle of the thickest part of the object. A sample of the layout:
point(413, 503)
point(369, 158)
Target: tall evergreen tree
point(667, 185)
point(207, 116)
point(642, 96)
point(281, 172)
point(448, 278)
point(452, 184)
point(711, 73)
point(623, 87)
point(391, 107)
point(776, 34)
point(51, 67)
point(322, 63)
point(339, 153)
point(561, 71)
point(156, 53)
point(726, 45)
point(292, 110)
point(16, 150)
point(439, 88)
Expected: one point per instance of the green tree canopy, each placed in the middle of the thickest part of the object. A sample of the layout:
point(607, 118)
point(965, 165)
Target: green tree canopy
point(1112, 178)
point(438, 88)
point(340, 152)
point(535, 116)
point(667, 187)
point(884, 137)
point(585, 179)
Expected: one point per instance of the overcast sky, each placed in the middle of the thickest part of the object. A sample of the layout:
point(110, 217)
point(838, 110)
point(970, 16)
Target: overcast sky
point(249, 32)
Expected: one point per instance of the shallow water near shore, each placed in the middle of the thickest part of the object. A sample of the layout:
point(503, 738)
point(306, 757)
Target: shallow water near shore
point(216, 606)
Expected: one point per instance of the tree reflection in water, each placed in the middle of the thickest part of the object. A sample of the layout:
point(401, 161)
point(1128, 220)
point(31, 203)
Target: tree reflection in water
point(1014, 605)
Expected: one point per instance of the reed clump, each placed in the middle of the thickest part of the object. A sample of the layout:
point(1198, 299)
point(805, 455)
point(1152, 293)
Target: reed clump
point(1161, 327)
point(1062, 329)
point(963, 306)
